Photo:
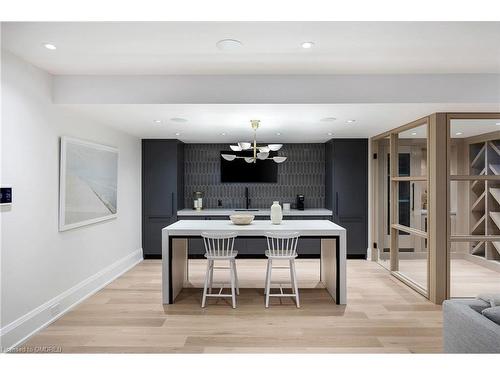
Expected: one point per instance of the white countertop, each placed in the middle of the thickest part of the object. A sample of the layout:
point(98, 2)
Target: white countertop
point(259, 212)
point(256, 228)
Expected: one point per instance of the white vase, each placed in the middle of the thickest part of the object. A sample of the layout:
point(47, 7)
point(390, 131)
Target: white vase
point(276, 213)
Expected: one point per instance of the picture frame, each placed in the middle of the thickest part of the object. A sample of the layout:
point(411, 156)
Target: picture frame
point(88, 183)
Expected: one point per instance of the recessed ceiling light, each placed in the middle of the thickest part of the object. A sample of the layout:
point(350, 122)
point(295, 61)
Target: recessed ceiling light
point(414, 133)
point(157, 121)
point(328, 119)
point(330, 133)
point(222, 133)
point(350, 121)
point(228, 44)
point(177, 134)
point(50, 46)
point(459, 133)
point(278, 133)
point(178, 119)
point(308, 45)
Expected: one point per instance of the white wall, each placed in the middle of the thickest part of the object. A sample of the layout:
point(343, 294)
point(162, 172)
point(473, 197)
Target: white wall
point(40, 264)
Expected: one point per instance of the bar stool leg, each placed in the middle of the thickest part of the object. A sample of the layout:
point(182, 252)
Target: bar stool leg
point(293, 276)
point(267, 276)
point(211, 276)
point(233, 282)
point(236, 277)
point(207, 274)
point(268, 280)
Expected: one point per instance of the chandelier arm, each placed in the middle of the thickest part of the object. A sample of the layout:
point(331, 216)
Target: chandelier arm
point(258, 151)
point(255, 145)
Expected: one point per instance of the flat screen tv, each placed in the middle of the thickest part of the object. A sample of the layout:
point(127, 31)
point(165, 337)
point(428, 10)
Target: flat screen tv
point(239, 170)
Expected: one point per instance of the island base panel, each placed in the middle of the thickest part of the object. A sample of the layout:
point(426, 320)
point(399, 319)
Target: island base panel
point(179, 262)
point(329, 266)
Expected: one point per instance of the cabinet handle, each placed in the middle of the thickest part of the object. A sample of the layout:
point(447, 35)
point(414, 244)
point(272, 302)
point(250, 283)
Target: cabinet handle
point(413, 196)
point(337, 203)
point(172, 206)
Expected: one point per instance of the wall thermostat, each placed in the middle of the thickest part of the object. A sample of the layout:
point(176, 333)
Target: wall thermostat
point(5, 195)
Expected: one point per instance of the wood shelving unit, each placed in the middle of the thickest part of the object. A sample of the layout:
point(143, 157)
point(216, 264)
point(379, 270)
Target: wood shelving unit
point(493, 155)
point(485, 197)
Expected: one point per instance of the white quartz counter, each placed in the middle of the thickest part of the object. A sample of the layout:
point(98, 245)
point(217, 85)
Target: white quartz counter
point(258, 212)
point(256, 228)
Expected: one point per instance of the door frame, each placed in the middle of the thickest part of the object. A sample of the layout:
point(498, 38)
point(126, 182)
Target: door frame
point(418, 236)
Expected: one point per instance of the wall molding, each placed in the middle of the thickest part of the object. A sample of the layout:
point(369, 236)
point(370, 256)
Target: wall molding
point(18, 331)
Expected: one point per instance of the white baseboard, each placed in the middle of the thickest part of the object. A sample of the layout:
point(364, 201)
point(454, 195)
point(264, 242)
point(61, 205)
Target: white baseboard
point(490, 264)
point(15, 333)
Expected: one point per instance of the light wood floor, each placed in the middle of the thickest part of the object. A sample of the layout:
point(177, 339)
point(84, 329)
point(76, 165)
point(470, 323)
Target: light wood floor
point(468, 279)
point(382, 315)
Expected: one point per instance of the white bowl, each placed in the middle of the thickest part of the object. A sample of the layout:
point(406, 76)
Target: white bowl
point(241, 219)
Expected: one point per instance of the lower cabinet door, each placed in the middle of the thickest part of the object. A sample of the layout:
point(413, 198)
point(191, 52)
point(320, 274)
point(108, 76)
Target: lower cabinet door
point(151, 243)
point(356, 236)
point(309, 246)
point(196, 247)
point(255, 246)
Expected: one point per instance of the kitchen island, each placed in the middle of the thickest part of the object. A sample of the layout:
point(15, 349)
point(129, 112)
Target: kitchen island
point(175, 249)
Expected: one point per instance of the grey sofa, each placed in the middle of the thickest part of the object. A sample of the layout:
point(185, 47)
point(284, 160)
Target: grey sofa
point(466, 330)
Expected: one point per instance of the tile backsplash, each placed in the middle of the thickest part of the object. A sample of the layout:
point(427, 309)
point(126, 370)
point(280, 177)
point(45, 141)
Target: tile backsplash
point(302, 173)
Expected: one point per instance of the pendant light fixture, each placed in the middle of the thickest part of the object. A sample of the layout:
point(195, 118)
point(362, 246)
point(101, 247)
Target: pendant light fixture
point(259, 152)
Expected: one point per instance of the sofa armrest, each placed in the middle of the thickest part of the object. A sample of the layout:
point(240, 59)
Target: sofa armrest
point(468, 331)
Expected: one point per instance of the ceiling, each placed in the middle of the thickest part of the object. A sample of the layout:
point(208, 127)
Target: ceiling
point(459, 128)
point(177, 48)
point(268, 47)
point(293, 122)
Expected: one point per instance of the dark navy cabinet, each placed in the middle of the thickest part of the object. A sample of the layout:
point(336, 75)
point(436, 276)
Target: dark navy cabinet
point(162, 190)
point(346, 189)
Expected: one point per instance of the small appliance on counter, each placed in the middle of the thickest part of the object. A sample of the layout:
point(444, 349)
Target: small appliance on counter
point(198, 200)
point(300, 202)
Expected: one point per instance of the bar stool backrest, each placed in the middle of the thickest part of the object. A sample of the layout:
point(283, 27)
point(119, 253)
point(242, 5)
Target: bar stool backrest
point(219, 244)
point(282, 243)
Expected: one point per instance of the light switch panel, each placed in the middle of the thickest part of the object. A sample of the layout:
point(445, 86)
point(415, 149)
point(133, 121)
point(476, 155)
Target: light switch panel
point(5, 195)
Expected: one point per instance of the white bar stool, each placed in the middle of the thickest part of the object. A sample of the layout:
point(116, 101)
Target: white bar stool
point(220, 246)
point(282, 246)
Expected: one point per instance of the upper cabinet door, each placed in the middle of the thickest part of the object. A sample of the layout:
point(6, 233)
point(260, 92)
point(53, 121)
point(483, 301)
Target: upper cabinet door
point(329, 201)
point(350, 178)
point(160, 177)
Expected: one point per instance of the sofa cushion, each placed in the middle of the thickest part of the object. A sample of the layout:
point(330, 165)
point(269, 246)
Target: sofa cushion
point(492, 298)
point(493, 314)
point(476, 304)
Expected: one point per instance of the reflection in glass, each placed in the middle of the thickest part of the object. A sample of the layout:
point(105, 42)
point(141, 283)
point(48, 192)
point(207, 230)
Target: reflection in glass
point(413, 260)
point(403, 191)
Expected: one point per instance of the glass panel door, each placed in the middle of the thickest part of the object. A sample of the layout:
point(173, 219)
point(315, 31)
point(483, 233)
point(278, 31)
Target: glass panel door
point(381, 203)
point(412, 253)
point(474, 259)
